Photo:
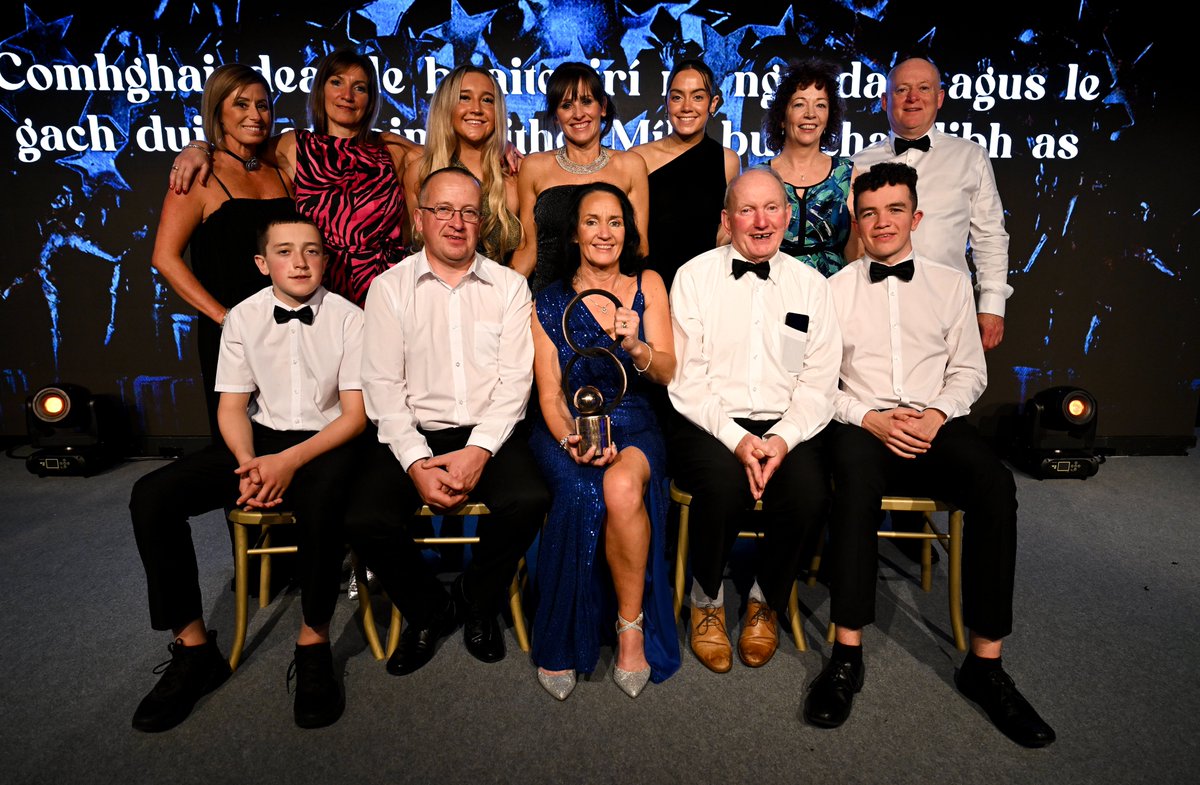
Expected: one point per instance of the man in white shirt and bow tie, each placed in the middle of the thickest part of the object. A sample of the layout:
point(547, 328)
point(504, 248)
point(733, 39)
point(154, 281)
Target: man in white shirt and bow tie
point(758, 349)
point(912, 366)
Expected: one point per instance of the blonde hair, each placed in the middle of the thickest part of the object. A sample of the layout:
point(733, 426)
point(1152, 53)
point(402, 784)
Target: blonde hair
point(222, 83)
point(441, 144)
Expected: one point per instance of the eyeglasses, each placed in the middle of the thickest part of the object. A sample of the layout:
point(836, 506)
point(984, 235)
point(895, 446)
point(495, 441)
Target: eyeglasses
point(445, 212)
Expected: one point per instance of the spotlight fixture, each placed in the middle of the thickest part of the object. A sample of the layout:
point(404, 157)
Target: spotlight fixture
point(71, 431)
point(1056, 434)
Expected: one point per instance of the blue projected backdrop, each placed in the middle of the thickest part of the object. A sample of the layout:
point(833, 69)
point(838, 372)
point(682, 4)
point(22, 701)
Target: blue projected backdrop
point(1071, 100)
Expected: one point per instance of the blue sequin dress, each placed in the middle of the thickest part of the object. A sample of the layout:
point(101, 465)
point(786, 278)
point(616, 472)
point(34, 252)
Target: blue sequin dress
point(577, 604)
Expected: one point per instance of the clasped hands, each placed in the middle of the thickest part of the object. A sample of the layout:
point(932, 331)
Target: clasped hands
point(445, 481)
point(906, 432)
point(263, 479)
point(760, 457)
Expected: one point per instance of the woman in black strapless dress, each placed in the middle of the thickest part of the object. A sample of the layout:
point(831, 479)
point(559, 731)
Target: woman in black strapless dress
point(577, 105)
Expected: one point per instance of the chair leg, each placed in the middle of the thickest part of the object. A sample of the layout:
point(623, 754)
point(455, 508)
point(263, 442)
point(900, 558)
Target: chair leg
point(955, 571)
point(927, 555)
point(518, 613)
point(794, 614)
point(241, 565)
point(394, 631)
point(366, 614)
point(264, 570)
point(681, 547)
point(814, 566)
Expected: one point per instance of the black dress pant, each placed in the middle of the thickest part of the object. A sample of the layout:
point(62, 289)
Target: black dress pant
point(382, 511)
point(795, 503)
point(163, 500)
point(960, 467)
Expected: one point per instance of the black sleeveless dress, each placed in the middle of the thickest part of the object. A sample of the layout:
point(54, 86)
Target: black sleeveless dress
point(222, 252)
point(686, 197)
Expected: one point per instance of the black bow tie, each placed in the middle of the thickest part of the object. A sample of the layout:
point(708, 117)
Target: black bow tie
point(283, 315)
point(903, 271)
point(903, 144)
point(740, 268)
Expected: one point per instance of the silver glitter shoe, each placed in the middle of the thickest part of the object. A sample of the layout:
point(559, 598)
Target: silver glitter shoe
point(630, 682)
point(559, 685)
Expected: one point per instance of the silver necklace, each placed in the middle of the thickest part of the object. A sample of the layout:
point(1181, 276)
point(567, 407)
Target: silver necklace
point(570, 166)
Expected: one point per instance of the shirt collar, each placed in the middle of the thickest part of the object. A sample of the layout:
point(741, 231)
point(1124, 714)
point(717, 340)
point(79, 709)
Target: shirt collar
point(314, 301)
point(478, 269)
point(732, 253)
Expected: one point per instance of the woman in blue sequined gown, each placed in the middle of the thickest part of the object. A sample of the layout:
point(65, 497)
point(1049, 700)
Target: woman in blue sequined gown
point(601, 556)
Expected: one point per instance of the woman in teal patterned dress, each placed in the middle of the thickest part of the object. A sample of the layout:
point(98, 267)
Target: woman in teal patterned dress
point(804, 120)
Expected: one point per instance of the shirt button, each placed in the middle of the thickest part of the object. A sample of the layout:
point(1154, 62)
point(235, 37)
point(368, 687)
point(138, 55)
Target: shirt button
point(457, 365)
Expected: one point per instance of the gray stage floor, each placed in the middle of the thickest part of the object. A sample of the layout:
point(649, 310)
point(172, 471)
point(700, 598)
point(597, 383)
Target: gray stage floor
point(1105, 643)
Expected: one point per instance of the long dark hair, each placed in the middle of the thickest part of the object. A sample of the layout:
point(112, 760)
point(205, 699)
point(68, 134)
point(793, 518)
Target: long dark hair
point(631, 260)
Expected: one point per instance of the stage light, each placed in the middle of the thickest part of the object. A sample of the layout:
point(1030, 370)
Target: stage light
point(1056, 435)
point(72, 431)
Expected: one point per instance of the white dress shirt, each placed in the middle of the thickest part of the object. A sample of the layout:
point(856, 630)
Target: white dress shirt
point(295, 371)
point(437, 357)
point(913, 344)
point(738, 358)
point(956, 190)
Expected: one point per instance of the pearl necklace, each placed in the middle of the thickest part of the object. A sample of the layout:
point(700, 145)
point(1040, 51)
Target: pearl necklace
point(570, 166)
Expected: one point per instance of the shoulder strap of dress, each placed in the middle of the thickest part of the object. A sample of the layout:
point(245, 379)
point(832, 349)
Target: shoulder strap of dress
point(223, 188)
point(279, 174)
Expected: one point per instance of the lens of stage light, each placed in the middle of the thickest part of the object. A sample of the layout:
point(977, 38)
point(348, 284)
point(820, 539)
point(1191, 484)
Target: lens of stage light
point(51, 405)
point(1076, 408)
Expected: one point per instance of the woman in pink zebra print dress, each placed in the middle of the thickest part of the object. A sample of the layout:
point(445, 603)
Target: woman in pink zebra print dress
point(348, 178)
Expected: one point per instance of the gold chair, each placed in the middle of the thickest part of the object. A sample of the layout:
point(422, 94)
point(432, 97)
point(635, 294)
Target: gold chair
point(514, 589)
point(950, 540)
point(241, 519)
point(684, 500)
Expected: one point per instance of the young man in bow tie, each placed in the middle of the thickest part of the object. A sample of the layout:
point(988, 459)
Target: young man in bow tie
point(291, 406)
point(958, 189)
point(758, 349)
point(912, 366)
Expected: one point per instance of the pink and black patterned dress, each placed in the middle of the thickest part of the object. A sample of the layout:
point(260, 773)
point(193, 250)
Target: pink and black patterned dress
point(351, 191)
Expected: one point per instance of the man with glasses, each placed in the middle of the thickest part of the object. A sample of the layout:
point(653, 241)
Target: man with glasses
point(447, 370)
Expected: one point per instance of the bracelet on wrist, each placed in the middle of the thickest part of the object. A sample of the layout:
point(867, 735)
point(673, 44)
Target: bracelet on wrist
point(649, 360)
point(224, 316)
point(204, 147)
point(564, 441)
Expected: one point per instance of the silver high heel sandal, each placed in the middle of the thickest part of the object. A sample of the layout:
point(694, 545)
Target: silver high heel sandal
point(559, 685)
point(630, 682)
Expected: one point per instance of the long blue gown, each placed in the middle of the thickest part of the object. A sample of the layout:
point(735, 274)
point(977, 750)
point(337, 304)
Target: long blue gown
point(577, 605)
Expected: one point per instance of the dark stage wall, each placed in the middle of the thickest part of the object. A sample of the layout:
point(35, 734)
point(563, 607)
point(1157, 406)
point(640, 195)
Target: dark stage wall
point(1072, 99)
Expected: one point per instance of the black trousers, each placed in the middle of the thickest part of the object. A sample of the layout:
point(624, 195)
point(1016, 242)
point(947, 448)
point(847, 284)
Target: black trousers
point(163, 500)
point(380, 518)
point(795, 503)
point(960, 467)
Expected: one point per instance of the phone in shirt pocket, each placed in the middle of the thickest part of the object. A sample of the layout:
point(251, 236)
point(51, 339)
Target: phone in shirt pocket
point(793, 340)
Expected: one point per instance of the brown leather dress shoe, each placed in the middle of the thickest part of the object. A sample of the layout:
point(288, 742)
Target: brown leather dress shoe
point(760, 635)
point(710, 642)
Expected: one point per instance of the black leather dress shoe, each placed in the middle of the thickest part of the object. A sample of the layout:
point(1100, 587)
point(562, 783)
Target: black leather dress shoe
point(831, 695)
point(481, 629)
point(417, 644)
point(995, 692)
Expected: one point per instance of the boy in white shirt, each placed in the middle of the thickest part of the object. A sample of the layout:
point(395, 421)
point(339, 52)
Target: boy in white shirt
point(291, 406)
